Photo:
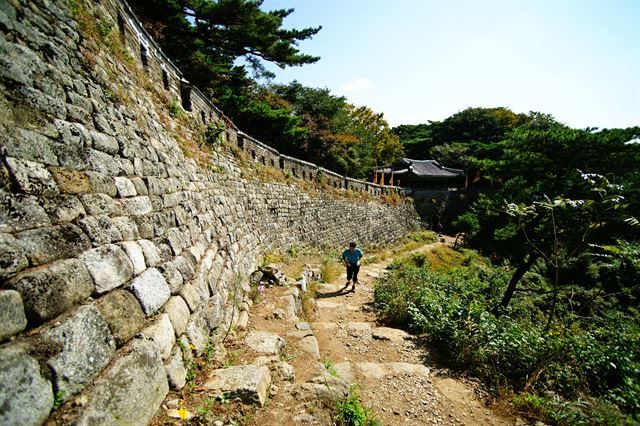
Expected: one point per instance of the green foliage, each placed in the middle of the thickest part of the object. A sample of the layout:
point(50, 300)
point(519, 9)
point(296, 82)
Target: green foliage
point(214, 131)
point(58, 399)
point(581, 357)
point(328, 365)
point(351, 412)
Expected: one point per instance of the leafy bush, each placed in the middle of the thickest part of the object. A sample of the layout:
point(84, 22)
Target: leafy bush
point(592, 359)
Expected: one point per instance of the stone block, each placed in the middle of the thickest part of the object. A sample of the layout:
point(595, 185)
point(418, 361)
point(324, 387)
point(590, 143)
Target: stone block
point(151, 290)
point(70, 181)
point(104, 142)
point(140, 187)
point(63, 208)
point(309, 344)
point(264, 342)
point(100, 204)
point(136, 256)
point(176, 371)
point(12, 257)
point(19, 212)
point(100, 229)
point(250, 383)
point(32, 178)
point(151, 252)
point(137, 206)
point(173, 276)
point(198, 329)
point(101, 183)
point(127, 227)
point(12, 317)
point(47, 291)
point(392, 334)
point(87, 347)
point(191, 296)
point(178, 312)
point(109, 266)
point(122, 312)
point(44, 245)
point(26, 397)
point(162, 335)
point(178, 239)
point(126, 188)
point(130, 391)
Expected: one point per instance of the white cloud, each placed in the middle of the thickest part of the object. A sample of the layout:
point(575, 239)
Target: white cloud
point(356, 85)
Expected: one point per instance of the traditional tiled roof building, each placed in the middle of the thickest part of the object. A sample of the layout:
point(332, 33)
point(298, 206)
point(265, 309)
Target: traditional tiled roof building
point(421, 174)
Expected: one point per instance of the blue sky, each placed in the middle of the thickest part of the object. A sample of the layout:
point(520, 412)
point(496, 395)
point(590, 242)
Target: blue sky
point(419, 60)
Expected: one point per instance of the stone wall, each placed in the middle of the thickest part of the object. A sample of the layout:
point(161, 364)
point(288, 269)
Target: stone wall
point(119, 254)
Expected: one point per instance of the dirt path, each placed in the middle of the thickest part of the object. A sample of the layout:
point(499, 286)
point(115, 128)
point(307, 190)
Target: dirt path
point(294, 372)
point(396, 376)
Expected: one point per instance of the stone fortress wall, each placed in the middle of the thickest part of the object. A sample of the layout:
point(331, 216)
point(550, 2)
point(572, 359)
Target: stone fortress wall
point(120, 257)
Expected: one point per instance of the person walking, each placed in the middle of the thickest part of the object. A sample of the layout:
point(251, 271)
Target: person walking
point(351, 258)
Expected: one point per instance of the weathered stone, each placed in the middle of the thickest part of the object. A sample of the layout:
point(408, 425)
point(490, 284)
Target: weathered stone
point(392, 334)
point(250, 383)
point(243, 320)
point(130, 391)
point(12, 317)
point(151, 253)
point(151, 290)
point(109, 266)
point(191, 296)
point(264, 342)
point(173, 276)
point(19, 212)
point(87, 347)
point(122, 312)
point(26, 397)
point(50, 290)
point(178, 312)
point(101, 183)
point(127, 228)
point(63, 208)
point(125, 187)
point(105, 143)
point(324, 389)
point(136, 256)
point(12, 258)
point(309, 344)
point(280, 370)
point(70, 181)
point(137, 206)
point(44, 245)
point(198, 329)
point(185, 267)
point(32, 178)
point(176, 371)
point(100, 230)
point(100, 204)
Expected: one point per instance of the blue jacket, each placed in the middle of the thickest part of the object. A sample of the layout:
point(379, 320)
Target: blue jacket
point(352, 257)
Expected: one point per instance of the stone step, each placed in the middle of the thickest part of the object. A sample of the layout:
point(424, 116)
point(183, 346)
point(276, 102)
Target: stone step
point(323, 304)
point(376, 370)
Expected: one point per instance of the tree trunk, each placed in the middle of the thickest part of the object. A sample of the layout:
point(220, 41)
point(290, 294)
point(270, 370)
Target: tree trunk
point(522, 269)
point(552, 311)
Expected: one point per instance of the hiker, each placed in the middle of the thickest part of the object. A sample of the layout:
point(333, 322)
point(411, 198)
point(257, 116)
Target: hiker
point(351, 258)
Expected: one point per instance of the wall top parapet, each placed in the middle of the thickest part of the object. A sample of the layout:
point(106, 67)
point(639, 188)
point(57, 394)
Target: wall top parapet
point(193, 99)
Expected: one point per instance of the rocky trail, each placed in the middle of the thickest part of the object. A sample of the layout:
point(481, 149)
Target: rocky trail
point(295, 371)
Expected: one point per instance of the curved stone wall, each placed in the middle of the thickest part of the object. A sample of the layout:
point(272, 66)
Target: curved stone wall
point(119, 255)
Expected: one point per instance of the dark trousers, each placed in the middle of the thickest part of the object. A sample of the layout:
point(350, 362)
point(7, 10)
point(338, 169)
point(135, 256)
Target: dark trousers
point(352, 272)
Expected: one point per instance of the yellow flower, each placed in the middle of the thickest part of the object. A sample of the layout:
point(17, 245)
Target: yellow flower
point(183, 413)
